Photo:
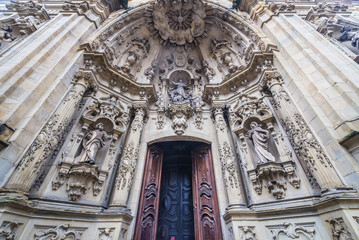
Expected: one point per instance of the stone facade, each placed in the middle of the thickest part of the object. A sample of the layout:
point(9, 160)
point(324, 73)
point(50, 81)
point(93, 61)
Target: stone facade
point(87, 86)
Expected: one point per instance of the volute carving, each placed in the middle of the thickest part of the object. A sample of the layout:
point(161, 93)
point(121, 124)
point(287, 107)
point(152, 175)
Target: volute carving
point(58, 233)
point(292, 231)
point(248, 107)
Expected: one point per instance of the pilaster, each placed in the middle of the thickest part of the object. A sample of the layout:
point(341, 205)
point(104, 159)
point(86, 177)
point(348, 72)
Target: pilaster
point(228, 161)
point(129, 158)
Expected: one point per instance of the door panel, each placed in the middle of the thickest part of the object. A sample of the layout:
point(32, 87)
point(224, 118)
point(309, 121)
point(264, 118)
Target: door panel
point(206, 212)
point(182, 203)
point(176, 204)
point(147, 215)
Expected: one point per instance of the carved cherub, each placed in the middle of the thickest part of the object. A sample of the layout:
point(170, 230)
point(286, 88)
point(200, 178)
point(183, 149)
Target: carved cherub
point(5, 34)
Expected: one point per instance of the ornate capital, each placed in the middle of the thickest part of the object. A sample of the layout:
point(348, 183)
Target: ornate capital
point(85, 78)
point(217, 108)
point(271, 79)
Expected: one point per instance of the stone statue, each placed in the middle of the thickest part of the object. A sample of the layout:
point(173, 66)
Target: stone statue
point(5, 34)
point(259, 137)
point(349, 35)
point(93, 141)
point(180, 93)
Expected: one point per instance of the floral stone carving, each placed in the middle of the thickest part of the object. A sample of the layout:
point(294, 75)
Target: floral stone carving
point(178, 22)
point(8, 230)
point(79, 178)
point(179, 113)
point(58, 233)
point(339, 229)
point(247, 233)
point(292, 231)
point(274, 176)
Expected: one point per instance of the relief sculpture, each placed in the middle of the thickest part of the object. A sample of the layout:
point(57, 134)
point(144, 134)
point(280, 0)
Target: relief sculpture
point(180, 93)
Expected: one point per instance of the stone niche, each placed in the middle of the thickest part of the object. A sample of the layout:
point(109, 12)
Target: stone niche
point(89, 154)
point(263, 147)
point(180, 98)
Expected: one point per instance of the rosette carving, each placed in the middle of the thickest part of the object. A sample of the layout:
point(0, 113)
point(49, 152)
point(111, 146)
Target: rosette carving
point(178, 22)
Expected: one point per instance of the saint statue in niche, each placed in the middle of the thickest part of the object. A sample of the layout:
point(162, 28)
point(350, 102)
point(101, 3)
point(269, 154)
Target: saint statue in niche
point(259, 137)
point(92, 142)
point(180, 93)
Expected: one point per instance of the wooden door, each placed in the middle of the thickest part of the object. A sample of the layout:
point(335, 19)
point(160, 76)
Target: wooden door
point(146, 223)
point(175, 220)
point(205, 202)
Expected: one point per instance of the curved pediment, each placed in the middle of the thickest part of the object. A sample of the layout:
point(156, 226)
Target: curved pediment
point(150, 47)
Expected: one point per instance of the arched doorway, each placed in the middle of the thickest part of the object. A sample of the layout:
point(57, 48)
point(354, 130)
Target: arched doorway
point(178, 196)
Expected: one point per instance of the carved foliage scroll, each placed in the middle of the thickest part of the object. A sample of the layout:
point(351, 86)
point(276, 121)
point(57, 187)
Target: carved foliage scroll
point(293, 231)
point(146, 224)
point(58, 233)
point(206, 213)
point(339, 229)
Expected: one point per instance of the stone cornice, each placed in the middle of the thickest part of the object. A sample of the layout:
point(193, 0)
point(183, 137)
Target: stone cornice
point(234, 83)
point(110, 79)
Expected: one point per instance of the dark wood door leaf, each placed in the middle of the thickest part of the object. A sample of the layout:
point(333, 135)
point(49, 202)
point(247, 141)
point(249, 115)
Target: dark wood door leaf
point(206, 212)
point(175, 219)
point(148, 208)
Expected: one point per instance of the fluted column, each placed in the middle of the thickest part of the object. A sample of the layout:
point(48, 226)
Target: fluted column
point(229, 166)
point(49, 137)
point(305, 144)
point(129, 158)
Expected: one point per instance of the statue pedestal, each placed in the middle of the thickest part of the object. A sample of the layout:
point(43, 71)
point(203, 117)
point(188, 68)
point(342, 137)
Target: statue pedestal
point(79, 179)
point(275, 176)
point(179, 113)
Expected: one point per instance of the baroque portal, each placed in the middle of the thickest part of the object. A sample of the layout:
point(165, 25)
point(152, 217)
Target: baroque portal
point(186, 119)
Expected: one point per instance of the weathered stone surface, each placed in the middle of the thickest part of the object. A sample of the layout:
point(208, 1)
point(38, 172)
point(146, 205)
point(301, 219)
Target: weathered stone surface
point(86, 87)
